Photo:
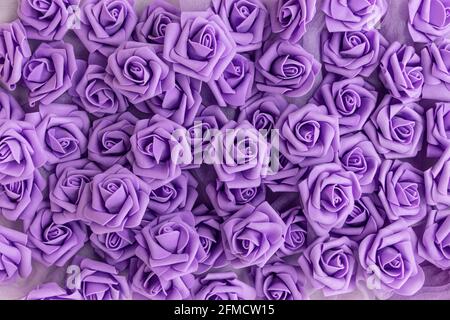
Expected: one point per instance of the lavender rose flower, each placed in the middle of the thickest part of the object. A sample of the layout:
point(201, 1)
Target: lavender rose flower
point(109, 139)
point(14, 53)
point(246, 20)
point(295, 240)
point(402, 191)
point(437, 182)
point(288, 18)
point(235, 85)
point(252, 235)
point(396, 128)
point(353, 15)
point(113, 201)
point(9, 107)
point(20, 199)
point(308, 135)
point(438, 129)
point(286, 68)
point(52, 243)
point(136, 71)
point(285, 175)
point(66, 185)
point(222, 286)
point(351, 100)
point(47, 20)
point(353, 53)
point(436, 70)
point(105, 24)
point(428, 20)
point(200, 46)
point(358, 155)
point(170, 245)
point(389, 257)
point(15, 256)
point(401, 72)
point(49, 72)
point(52, 291)
point(63, 129)
point(21, 151)
point(330, 265)
point(328, 197)
point(279, 281)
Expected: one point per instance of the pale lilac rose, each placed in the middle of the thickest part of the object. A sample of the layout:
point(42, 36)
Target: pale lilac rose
point(283, 175)
point(9, 107)
point(15, 256)
point(52, 291)
point(436, 70)
point(222, 286)
point(438, 129)
point(428, 19)
point(295, 240)
point(437, 182)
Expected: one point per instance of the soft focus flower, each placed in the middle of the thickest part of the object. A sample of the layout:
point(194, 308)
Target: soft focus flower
point(428, 20)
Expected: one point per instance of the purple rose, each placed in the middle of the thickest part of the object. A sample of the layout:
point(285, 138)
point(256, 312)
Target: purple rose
point(113, 201)
point(330, 265)
point(437, 182)
point(295, 240)
point(100, 281)
point(52, 291)
point(396, 128)
point(353, 53)
point(428, 20)
point(389, 259)
point(14, 53)
point(66, 185)
point(48, 20)
point(438, 129)
point(227, 200)
point(328, 197)
point(9, 107)
point(366, 218)
point(153, 22)
point(222, 286)
point(402, 191)
point(436, 70)
point(20, 199)
point(21, 151)
point(288, 18)
point(145, 284)
point(353, 15)
point(200, 46)
point(286, 68)
point(179, 104)
point(308, 135)
point(279, 281)
point(235, 84)
point(15, 256)
point(358, 155)
point(63, 129)
point(109, 139)
point(52, 243)
point(49, 72)
point(136, 71)
point(286, 178)
point(246, 20)
point(401, 72)
point(170, 245)
point(351, 100)
point(252, 235)
point(433, 246)
point(105, 24)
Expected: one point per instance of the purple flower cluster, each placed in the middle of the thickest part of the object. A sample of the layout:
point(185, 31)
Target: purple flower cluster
point(169, 161)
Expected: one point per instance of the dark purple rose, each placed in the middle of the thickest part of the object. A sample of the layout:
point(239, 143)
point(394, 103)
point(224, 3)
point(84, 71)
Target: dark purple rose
point(438, 129)
point(436, 70)
point(15, 256)
point(437, 182)
point(9, 107)
point(295, 240)
point(52, 291)
point(222, 286)
point(428, 20)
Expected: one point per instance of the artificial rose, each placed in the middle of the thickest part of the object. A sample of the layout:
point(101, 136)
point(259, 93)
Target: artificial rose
point(109, 139)
point(331, 265)
point(353, 53)
point(170, 245)
point(113, 201)
point(235, 84)
point(396, 129)
point(401, 72)
point(328, 197)
point(437, 182)
point(49, 72)
point(438, 129)
point(428, 20)
point(200, 46)
point(222, 286)
point(9, 107)
point(105, 24)
point(436, 70)
point(402, 191)
point(14, 53)
point(353, 15)
point(286, 68)
point(308, 135)
point(52, 291)
point(15, 256)
point(295, 240)
point(252, 235)
point(283, 175)
point(358, 155)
